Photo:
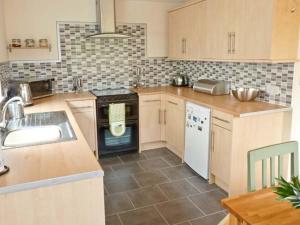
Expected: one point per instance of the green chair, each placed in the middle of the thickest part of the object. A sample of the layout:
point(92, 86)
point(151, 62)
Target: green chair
point(272, 153)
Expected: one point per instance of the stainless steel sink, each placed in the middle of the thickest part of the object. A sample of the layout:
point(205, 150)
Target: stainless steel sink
point(37, 129)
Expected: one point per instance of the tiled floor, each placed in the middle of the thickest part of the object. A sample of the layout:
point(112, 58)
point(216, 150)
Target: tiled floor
point(155, 188)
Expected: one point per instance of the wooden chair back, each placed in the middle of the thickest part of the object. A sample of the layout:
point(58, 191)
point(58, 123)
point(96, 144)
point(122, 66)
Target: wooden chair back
point(272, 153)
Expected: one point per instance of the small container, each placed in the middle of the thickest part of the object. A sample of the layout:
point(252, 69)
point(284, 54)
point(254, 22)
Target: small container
point(30, 43)
point(16, 43)
point(43, 43)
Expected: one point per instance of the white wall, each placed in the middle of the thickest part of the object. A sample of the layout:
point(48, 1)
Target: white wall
point(154, 14)
point(3, 42)
point(37, 19)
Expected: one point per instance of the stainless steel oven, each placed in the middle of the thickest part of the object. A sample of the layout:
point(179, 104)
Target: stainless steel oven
point(107, 143)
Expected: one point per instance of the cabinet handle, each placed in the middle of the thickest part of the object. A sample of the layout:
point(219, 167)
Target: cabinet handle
point(185, 46)
point(82, 107)
point(233, 43)
point(159, 116)
point(152, 101)
point(213, 141)
point(173, 103)
point(217, 118)
point(182, 45)
point(229, 42)
point(165, 116)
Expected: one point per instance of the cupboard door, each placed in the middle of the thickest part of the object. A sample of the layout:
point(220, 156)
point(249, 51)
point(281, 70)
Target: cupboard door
point(176, 34)
point(150, 121)
point(86, 123)
point(174, 120)
point(221, 153)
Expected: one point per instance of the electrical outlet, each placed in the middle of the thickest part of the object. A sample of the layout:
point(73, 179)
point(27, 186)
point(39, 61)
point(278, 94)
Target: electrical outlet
point(272, 90)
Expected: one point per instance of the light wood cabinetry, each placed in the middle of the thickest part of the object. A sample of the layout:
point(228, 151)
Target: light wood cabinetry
point(235, 30)
point(175, 121)
point(85, 115)
point(221, 148)
point(186, 39)
point(162, 122)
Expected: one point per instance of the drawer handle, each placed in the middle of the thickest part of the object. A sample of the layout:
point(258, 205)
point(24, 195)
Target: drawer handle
point(174, 103)
point(217, 118)
point(159, 116)
point(82, 107)
point(165, 116)
point(152, 100)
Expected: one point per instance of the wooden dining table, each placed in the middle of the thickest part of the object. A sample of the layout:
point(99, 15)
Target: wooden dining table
point(261, 208)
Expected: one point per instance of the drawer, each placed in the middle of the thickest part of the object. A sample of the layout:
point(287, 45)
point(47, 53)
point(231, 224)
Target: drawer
point(175, 101)
point(80, 106)
point(222, 119)
point(149, 99)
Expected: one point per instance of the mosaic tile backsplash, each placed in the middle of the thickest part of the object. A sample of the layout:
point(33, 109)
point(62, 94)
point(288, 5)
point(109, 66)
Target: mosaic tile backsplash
point(111, 63)
point(4, 74)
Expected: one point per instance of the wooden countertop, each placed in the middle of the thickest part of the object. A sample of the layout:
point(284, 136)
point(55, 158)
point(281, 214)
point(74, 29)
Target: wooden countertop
point(49, 164)
point(225, 103)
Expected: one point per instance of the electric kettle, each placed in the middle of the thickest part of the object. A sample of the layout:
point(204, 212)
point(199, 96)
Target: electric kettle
point(25, 94)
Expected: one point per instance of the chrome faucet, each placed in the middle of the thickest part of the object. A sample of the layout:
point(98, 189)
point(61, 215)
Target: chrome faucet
point(4, 109)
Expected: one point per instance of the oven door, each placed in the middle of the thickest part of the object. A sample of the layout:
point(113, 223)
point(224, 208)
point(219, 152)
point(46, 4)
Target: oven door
point(131, 110)
point(109, 144)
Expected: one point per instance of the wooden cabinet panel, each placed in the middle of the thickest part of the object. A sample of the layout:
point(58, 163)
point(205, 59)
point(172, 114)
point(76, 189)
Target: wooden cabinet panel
point(175, 120)
point(150, 121)
point(221, 153)
point(85, 115)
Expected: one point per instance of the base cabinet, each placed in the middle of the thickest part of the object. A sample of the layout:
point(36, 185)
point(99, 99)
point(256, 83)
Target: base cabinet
point(162, 122)
point(85, 115)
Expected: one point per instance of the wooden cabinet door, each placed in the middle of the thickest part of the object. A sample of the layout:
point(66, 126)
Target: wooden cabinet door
point(221, 153)
point(175, 117)
point(176, 34)
point(150, 121)
point(86, 123)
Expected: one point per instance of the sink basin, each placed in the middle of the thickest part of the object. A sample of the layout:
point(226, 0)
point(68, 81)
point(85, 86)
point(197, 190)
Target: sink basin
point(37, 129)
point(32, 136)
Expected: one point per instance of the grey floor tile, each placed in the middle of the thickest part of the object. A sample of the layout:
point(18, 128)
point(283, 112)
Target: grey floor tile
point(127, 169)
point(133, 157)
point(179, 210)
point(143, 216)
point(146, 196)
point(214, 219)
point(150, 178)
point(109, 161)
point(117, 203)
point(178, 189)
point(153, 164)
point(209, 202)
point(201, 184)
point(173, 160)
point(112, 220)
point(178, 172)
point(120, 184)
point(156, 153)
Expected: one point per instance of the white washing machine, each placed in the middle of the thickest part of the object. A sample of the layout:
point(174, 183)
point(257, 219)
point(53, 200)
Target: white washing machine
point(197, 138)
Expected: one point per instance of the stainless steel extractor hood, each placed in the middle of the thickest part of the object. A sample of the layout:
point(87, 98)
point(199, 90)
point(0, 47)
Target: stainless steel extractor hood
point(106, 18)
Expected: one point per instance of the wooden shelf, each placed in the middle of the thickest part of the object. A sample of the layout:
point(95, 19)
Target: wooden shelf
point(10, 48)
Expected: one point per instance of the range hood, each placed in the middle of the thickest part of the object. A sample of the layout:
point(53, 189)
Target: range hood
point(106, 18)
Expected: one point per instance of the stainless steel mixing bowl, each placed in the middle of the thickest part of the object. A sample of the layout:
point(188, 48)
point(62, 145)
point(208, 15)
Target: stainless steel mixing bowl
point(245, 94)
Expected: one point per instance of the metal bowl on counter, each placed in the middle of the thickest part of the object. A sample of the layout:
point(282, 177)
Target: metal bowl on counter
point(245, 94)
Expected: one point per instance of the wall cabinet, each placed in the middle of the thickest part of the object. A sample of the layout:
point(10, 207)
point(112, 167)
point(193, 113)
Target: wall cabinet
point(235, 30)
point(162, 122)
point(85, 115)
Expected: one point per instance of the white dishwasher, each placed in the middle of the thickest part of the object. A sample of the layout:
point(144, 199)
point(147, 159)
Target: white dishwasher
point(197, 138)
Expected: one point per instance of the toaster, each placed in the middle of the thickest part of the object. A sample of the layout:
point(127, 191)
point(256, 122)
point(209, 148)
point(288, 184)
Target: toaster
point(212, 87)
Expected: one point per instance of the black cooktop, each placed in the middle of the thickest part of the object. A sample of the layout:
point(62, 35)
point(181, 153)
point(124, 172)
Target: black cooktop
point(111, 92)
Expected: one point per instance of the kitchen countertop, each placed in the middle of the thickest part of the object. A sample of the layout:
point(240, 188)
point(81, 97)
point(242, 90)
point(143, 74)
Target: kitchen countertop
point(49, 164)
point(225, 103)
